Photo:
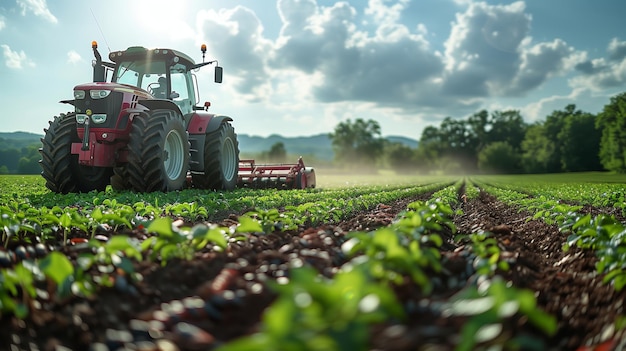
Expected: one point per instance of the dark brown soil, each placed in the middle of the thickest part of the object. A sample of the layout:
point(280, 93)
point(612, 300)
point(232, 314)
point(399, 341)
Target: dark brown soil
point(219, 296)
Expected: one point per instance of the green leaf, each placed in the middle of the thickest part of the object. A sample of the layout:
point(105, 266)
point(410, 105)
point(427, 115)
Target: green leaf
point(96, 214)
point(162, 226)
point(66, 220)
point(249, 225)
point(56, 266)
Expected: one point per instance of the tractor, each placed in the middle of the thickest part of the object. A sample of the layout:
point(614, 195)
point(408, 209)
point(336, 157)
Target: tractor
point(144, 131)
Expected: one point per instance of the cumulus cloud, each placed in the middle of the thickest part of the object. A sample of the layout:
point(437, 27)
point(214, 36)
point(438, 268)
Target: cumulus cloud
point(236, 37)
point(392, 66)
point(321, 55)
point(73, 57)
point(38, 8)
point(384, 14)
point(14, 59)
point(2, 22)
point(542, 61)
point(483, 51)
point(603, 73)
point(490, 53)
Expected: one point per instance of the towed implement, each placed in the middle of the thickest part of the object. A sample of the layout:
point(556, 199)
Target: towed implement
point(281, 176)
point(144, 131)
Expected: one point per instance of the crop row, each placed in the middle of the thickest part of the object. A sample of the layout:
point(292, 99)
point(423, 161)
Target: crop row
point(108, 211)
point(584, 193)
point(603, 233)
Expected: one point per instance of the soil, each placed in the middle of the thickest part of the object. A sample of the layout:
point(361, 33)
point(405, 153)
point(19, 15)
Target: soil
point(218, 296)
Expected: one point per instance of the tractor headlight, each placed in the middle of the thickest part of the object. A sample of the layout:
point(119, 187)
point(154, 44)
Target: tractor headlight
point(79, 94)
point(99, 94)
point(99, 118)
point(80, 119)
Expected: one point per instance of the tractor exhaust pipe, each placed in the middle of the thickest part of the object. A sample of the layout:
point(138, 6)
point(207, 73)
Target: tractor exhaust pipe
point(98, 68)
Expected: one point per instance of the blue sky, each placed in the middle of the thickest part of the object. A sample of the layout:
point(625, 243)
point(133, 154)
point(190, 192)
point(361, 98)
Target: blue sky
point(299, 67)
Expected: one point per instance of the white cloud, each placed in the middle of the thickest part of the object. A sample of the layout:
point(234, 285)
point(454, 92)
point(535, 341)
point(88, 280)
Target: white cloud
point(14, 59)
point(542, 61)
point(38, 8)
point(482, 52)
point(321, 55)
point(391, 67)
point(73, 57)
point(3, 22)
point(384, 14)
point(236, 36)
point(601, 73)
point(584, 99)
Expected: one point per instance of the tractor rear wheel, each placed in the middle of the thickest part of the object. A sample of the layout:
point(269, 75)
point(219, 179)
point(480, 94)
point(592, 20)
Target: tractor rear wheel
point(60, 168)
point(119, 180)
point(158, 153)
point(221, 160)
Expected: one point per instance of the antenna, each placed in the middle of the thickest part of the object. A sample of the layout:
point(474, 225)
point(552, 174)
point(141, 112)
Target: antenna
point(98, 24)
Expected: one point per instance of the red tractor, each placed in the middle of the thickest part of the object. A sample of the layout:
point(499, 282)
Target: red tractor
point(143, 131)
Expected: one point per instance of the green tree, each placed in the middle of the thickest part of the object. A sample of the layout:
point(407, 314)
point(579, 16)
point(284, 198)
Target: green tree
point(555, 122)
point(507, 126)
point(276, 153)
point(4, 169)
point(10, 158)
point(400, 157)
point(612, 124)
point(357, 143)
point(580, 143)
point(537, 149)
point(499, 157)
point(28, 163)
point(28, 166)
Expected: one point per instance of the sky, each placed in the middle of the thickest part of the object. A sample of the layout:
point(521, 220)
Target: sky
point(300, 67)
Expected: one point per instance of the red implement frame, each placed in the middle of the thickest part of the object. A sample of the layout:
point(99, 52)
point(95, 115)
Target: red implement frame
point(281, 175)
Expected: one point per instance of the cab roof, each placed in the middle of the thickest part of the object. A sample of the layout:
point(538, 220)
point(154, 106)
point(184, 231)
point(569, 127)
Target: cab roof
point(140, 53)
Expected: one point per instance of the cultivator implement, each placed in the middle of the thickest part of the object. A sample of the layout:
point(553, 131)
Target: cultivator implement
point(280, 176)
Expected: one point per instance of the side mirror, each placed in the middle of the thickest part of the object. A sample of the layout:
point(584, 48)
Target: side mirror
point(218, 74)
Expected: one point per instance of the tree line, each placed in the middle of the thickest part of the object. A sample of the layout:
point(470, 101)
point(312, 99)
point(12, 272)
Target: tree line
point(568, 140)
point(24, 160)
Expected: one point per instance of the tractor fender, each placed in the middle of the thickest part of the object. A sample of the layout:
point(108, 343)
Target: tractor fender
point(160, 104)
point(203, 123)
point(200, 125)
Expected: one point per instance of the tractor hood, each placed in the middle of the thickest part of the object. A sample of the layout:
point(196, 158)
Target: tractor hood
point(113, 87)
point(99, 90)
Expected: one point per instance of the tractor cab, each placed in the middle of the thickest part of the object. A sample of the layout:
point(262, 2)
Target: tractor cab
point(163, 73)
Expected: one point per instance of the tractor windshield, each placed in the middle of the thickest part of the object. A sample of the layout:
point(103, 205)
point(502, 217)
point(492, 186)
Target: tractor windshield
point(139, 73)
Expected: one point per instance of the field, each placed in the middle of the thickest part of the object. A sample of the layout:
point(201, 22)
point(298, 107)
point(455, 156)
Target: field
point(375, 262)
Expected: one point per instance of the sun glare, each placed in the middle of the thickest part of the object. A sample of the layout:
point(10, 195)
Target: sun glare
point(159, 16)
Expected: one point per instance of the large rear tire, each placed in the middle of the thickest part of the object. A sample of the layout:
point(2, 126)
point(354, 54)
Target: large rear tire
point(221, 160)
point(158, 152)
point(119, 180)
point(60, 168)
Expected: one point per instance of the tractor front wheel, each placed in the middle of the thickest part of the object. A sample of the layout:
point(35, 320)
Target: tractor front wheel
point(60, 169)
point(221, 160)
point(158, 153)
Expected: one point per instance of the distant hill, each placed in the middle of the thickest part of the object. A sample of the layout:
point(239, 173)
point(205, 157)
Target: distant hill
point(319, 145)
point(18, 140)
